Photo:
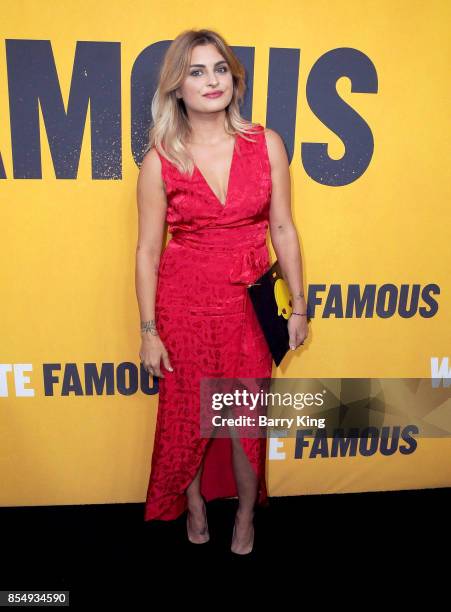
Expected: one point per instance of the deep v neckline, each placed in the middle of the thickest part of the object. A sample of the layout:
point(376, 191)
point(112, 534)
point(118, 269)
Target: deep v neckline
point(196, 167)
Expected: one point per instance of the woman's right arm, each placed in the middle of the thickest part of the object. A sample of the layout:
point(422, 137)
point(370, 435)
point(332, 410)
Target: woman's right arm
point(152, 205)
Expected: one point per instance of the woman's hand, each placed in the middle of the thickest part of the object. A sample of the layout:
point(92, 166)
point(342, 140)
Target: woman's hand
point(151, 353)
point(298, 330)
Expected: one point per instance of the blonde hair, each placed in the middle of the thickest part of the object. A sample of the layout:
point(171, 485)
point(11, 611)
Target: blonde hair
point(170, 126)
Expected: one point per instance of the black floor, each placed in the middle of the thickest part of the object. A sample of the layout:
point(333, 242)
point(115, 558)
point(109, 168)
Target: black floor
point(109, 553)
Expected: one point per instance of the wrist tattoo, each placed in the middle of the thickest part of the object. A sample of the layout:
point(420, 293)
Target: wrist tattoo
point(149, 326)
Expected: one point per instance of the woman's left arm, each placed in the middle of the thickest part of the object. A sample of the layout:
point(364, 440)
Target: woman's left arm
point(284, 236)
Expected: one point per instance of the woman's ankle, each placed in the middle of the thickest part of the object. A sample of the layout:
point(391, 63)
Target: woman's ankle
point(195, 501)
point(245, 514)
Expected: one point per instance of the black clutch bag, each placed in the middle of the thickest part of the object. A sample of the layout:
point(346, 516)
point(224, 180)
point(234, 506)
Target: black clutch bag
point(271, 299)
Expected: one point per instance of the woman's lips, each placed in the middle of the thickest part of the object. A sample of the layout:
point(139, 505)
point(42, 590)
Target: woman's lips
point(213, 95)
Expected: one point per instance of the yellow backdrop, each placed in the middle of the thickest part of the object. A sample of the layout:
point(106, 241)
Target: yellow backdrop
point(69, 223)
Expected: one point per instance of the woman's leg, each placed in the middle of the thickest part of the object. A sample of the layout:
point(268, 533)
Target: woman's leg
point(247, 483)
point(196, 519)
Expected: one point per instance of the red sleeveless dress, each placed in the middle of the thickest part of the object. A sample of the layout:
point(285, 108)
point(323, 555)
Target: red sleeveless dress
point(207, 322)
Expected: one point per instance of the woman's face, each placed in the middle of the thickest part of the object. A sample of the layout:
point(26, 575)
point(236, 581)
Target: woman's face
point(208, 72)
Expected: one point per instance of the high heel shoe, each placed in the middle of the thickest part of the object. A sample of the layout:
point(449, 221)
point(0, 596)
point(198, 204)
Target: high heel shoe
point(202, 536)
point(246, 552)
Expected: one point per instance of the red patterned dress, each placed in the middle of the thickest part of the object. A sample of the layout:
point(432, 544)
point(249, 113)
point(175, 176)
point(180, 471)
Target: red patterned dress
point(207, 322)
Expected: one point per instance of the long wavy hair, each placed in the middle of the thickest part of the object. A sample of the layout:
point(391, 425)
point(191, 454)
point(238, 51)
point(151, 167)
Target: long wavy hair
point(170, 128)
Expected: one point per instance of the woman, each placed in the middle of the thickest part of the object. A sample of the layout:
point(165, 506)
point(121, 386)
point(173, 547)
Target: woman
point(219, 181)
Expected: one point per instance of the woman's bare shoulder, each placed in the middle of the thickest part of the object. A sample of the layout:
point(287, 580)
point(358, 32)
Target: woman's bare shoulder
point(273, 137)
point(151, 159)
point(275, 146)
point(151, 169)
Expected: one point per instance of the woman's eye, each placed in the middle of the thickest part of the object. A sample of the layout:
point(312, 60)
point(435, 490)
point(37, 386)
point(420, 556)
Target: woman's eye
point(223, 69)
